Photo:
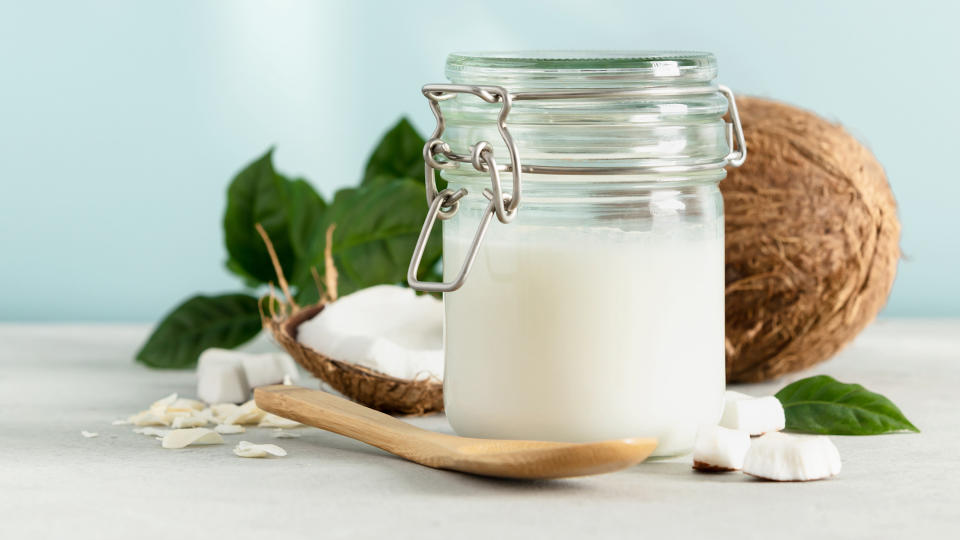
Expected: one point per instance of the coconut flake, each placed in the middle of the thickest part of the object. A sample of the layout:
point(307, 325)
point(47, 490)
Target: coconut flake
point(784, 457)
point(284, 434)
point(222, 411)
point(89, 434)
point(249, 450)
point(229, 429)
point(160, 433)
point(148, 418)
point(274, 421)
point(188, 422)
point(186, 405)
point(387, 328)
point(121, 422)
point(248, 413)
point(159, 407)
point(181, 438)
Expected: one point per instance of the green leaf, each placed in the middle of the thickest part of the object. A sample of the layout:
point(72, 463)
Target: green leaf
point(257, 195)
point(377, 228)
point(235, 269)
point(305, 211)
point(821, 404)
point(398, 155)
point(199, 323)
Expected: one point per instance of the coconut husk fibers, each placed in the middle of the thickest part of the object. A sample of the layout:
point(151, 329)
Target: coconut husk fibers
point(282, 318)
point(812, 242)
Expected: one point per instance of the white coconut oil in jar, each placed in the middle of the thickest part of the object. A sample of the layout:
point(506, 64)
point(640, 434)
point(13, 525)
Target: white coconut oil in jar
point(596, 309)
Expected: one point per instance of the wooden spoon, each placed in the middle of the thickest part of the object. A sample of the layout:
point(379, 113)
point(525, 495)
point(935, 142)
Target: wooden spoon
point(487, 457)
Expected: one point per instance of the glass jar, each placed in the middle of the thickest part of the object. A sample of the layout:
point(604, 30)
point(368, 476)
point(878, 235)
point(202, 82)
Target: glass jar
point(589, 303)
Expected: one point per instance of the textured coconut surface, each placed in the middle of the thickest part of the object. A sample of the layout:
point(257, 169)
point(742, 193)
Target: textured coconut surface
point(812, 241)
point(58, 380)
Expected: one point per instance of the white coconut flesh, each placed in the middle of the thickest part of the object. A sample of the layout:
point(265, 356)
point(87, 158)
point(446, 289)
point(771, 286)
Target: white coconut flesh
point(386, 328)
point(786, 457)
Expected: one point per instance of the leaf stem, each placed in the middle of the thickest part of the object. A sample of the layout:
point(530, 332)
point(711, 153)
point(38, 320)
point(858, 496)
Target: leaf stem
point(276, 266)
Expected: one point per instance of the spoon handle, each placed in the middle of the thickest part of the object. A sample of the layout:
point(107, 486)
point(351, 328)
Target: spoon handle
point(331, 413)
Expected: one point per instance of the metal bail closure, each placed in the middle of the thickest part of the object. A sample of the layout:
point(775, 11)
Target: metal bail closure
point(444, 204)
point(447, 198)
point(738, 146)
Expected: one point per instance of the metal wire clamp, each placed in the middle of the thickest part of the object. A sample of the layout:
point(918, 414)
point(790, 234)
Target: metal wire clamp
point(444, 204)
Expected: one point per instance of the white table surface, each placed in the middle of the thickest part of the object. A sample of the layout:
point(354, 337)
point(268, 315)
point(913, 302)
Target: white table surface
point(57, 380)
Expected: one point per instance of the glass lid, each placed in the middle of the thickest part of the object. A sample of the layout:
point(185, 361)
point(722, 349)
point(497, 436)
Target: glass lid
point(591, 68)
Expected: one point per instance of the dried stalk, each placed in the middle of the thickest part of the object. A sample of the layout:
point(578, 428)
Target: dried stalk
point(276, 266)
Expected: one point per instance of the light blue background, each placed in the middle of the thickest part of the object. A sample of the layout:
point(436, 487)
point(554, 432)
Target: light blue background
point(121, 122)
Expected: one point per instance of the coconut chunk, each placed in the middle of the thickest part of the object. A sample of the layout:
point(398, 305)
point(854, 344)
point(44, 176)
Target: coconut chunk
point(720, 449)
point(89, 434)
point(386, 328)
point(220, 377)
point(249, 450)
point(152, 431)
point(269, 368)
point(756, 416)
point(248, 413)
point(188, 422)
point(229, 429)
point(274, 421)
point(181, 438)
point(284, 434)
point(785, 457)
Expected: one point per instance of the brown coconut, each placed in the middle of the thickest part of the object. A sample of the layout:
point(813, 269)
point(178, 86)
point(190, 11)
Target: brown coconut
point(811, 242)
point(369, 387)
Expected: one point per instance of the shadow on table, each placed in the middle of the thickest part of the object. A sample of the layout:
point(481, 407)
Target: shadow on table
point(682, 471)
point(420, 479)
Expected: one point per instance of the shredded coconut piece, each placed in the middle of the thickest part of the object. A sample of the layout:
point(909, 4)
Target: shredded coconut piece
point(181, 438)
point(287, 381)
point(221, 411)
point(229, 429)
point(89, 434)
point(186, 405)
point(160, 406)
point(148, 418)
point(121, 422)
point(160, 433)
point(284, 434)
point(249, 450)
point(274, 421)
point(248, 413)
point(188, 422)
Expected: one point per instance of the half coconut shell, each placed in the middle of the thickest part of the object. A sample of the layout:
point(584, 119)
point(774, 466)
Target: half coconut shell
point(363, 385)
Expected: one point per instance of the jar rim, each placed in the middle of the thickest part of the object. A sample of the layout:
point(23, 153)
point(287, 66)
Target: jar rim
point(656, 65)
